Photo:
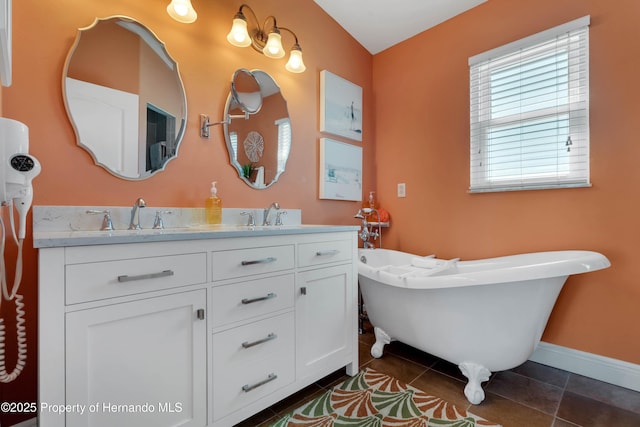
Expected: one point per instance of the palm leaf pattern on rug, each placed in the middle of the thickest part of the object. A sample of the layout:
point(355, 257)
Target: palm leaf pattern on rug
point(318, 406)
point(373, 399)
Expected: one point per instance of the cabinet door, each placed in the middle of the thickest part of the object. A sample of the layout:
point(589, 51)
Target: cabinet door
point(141, 363)
point(324, 320)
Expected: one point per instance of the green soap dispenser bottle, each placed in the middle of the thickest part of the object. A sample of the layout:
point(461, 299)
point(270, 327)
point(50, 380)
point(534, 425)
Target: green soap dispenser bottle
point(213, 206)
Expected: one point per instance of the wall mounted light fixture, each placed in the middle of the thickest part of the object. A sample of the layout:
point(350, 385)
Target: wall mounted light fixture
point(264, 39)
point(268, 43)
point(182, 11)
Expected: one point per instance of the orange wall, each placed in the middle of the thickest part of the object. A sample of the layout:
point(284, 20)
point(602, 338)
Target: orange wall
point(421, 94)
point(43, 33)
point(108, 55)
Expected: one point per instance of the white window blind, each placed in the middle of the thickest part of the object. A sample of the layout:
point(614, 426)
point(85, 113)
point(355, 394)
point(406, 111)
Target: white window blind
point(530, 112)
point(233, 136)
point(284, 142)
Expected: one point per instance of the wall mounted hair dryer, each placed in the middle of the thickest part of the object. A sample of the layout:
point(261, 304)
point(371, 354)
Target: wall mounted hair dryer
point(17, 170)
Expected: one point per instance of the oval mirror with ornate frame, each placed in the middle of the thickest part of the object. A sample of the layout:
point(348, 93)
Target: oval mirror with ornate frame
point(125, 98)
point(258, 142)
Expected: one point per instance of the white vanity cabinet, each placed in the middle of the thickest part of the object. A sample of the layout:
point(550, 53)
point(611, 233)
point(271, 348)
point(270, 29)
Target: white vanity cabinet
point(200, 332)
point(324, 304)
point(253, 351)
point(149, 352)
point(123, 335)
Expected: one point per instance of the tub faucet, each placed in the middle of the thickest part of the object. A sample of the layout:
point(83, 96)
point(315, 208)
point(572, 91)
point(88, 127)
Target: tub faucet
point(366, 233)
point(265, 217)
point(134, 224)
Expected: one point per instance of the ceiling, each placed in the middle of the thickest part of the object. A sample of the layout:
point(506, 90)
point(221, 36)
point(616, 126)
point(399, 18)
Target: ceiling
point(379, 24)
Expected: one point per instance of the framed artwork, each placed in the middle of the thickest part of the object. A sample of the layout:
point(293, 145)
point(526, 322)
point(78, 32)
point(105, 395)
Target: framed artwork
point(5, 42)
point(340, 106)
point(340, 170)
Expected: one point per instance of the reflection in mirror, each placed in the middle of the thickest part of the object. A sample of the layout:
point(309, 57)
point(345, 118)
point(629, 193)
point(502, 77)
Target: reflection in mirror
point(124, 97)
point(259, 144)
point(245, 97)
point(245, 91)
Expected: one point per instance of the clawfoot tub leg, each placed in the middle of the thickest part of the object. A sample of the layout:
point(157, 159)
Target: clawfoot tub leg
point(382, 338)
point(477, 374)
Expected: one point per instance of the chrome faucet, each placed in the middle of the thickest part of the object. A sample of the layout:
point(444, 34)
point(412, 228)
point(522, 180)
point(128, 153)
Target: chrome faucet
point(265, 217)
point(366, 233)
point(134, 224)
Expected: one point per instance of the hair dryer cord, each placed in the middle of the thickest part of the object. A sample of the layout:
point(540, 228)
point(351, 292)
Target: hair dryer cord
point(22, 344)
point(20, 322)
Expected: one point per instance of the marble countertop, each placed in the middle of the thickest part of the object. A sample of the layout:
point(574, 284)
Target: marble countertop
point(50, 239)
point(71, 226)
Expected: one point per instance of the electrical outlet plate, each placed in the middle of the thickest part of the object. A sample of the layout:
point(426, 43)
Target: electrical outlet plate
point(402, 190)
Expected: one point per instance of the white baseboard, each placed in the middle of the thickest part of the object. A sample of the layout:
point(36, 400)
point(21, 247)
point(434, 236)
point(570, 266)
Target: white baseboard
point(612, 371)
point(31, 422)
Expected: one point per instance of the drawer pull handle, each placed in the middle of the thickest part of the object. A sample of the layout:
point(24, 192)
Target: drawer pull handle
point(252, 300)
point(260, 261)
point(328, 253)
point(200, 313)
point(247, 388)
point(269, 337)
point(127, 278)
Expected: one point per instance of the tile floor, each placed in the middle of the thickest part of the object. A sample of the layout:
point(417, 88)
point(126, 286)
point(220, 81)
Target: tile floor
point(531, 395)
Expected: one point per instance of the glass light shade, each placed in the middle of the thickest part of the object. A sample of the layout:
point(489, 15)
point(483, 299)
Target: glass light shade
point(295, 63)
point(182, 11)
point(273, 48)
point(239, 36)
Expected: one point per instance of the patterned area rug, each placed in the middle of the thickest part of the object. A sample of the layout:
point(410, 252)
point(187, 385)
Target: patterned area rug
point(372, 399)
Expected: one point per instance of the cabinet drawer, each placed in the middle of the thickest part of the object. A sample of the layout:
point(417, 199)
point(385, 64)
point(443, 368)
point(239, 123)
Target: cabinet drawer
point(310, 254)
point(252, 361)
point(108, 279)
point(251, 298)
point(245, 262)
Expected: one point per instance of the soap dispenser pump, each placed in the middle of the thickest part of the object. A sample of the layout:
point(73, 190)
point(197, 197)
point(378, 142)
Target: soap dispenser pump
point(372, 201)
point(213, 206)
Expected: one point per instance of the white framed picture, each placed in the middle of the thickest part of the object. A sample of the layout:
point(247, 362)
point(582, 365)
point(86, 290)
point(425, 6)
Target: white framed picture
point(5, 42)
point(340, 170)
point(340, 106)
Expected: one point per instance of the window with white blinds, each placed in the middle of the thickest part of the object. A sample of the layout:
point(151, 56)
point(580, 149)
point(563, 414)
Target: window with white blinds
point(530, 112)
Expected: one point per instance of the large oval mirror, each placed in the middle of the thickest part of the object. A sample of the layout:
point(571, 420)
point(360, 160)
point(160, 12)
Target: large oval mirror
point(258, 143)
point(124, 97)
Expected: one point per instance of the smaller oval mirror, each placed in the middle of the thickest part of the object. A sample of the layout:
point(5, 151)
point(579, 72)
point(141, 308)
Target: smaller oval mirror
point(124, 97)
point(258, 143)
point(245, 91)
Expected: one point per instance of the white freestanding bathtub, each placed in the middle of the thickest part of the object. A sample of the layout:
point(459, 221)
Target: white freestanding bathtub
point(486, 315)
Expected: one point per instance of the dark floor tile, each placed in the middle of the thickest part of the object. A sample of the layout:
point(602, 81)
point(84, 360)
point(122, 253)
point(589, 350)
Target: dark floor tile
point(509, 413)
point(562, 423)
point(367, 338)
point(410, 353)
point(608, 393)
point(396, 367)
point(450, 369)
point(262, 418)
point(442, 386)
point(292, 402)
point(267, 423)
point(364, 353)
point(587, 412)
point(527, 391)
point(333, 379)
point(543, 373)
